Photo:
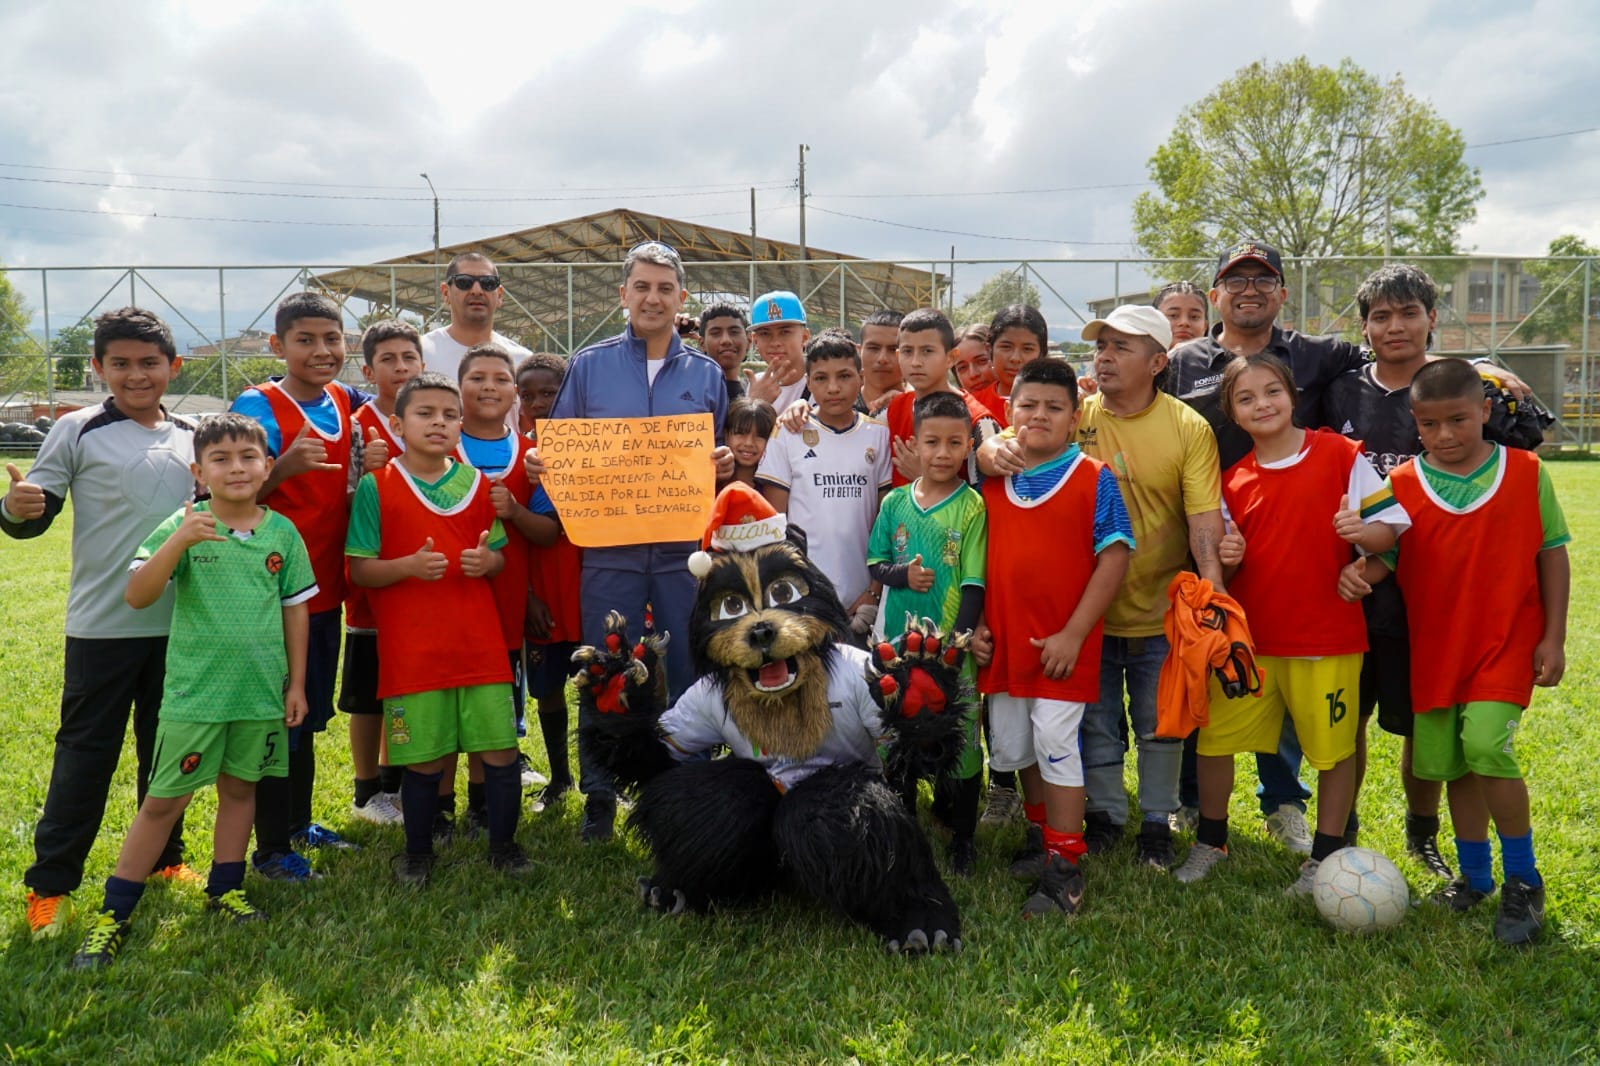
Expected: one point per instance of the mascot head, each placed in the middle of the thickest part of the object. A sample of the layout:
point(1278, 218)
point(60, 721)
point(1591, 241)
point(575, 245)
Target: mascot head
point(765, 622)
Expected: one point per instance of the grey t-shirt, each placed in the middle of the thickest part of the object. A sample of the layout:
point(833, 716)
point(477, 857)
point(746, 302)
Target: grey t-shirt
point(125, 479)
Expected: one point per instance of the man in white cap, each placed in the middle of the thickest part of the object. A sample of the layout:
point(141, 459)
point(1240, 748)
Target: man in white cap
point(1164, 456)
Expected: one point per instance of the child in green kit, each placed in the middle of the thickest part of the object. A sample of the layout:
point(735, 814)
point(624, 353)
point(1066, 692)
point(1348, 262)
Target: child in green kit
point(236, 663)
point(927, 550)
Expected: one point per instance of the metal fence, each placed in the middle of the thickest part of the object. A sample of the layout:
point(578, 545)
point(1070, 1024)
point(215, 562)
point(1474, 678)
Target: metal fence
point(222, 315)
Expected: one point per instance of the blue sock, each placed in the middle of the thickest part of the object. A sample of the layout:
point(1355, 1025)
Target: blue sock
point(225, 877)
point(1516, 858)
point(1477, 863)
point(122, 896)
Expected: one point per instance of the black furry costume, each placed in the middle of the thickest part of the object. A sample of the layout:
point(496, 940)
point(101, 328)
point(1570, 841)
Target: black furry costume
point(766, 632)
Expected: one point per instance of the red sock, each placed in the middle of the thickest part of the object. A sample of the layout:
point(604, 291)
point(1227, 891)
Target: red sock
point(1067, 845)
point(1034, 813)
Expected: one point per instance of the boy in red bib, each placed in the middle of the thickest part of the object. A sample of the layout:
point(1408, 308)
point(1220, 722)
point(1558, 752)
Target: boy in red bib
point(1477, 509)
point(1059, 538)
point(425, 542)
point(306, 416)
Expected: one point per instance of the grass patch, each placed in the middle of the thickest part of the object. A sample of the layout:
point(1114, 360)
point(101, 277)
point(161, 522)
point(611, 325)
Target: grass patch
point(566, 968)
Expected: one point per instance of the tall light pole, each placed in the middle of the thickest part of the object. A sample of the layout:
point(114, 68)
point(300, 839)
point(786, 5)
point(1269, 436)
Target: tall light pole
point(435, 193)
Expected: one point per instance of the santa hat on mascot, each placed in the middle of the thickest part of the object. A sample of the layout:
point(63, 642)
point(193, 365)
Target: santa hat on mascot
point(741, 520)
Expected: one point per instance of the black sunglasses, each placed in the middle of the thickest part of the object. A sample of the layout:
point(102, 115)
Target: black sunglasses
point(464, 282)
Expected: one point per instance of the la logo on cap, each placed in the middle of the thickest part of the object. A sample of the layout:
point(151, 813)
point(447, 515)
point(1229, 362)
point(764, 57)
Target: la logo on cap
point(774, 312)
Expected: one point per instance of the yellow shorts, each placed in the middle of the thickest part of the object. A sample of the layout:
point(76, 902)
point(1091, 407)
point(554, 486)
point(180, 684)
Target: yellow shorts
point(1319, 694)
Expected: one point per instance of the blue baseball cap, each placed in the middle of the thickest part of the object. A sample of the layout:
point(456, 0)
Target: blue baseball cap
point(779, 306)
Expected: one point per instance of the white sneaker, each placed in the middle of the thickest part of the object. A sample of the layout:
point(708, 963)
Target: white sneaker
point(1302, 884)
point(1184, 819)
point(1287, 825)
point(1202, 857)
point(531, 778)
point(381, 809)
point(1002, 807)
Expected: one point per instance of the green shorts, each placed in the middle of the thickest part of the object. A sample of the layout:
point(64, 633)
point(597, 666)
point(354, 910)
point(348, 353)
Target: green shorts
point(1446, 742)
point(190, 755)
point(425, 726)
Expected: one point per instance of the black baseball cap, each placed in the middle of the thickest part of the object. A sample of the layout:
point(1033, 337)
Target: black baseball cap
point(1256, 251)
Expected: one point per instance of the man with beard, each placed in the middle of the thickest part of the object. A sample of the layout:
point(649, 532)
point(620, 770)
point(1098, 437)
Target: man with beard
point(471, 289)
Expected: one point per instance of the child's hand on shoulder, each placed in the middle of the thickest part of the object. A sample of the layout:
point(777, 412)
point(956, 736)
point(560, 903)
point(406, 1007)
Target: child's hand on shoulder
point(295, 707)
point(1058, 653)
point(1347, 522)
point(1353, 583)
point(982, 646)
point(425, 564)
point(795, 416)
point(305, 453)
point(919, 577)
point(196, 527)
point(374, 451)
point(479, 561)
point(1549, 663)
point(1230, 549)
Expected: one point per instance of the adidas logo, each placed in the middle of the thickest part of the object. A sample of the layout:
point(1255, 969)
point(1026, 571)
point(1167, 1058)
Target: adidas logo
point(687, 395)
point(811, 453)
point(1347, 427)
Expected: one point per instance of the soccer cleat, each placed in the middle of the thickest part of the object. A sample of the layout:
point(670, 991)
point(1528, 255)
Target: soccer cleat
point(1000, 807)
point(233, 905)
point(599, 818)
point(180, 873)
point(509, 858)
point(381, 809)
point(550, 796)
point(444, 829)
point(1059, 889)
point(1028, 863)
point(1287, 825)
point(48, 915)
point(1459, 895)
point(1425, 849)
point(963, 856)
point(1184, 819)
point(474, 823)
point(1521, 913)
point(413, 870)
point(531, 778)
point(320, 836)
point(104, 942)
point(1100, 833)
point(290, 866)
point(1308, 875)
point(1154, 846)
point(1202, 857)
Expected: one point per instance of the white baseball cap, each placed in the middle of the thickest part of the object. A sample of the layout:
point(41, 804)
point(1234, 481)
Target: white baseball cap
point(1140, 319)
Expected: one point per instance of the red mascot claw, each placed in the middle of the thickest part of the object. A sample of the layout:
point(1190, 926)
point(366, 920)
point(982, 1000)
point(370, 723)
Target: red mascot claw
point(913, 642)
point(613, 642)
point(951, 655)
point(596, 669)
point(887, 686)
point(886, 653)
point(638, 650)
point(922, 693)
point(609, 700)
point(932, 648)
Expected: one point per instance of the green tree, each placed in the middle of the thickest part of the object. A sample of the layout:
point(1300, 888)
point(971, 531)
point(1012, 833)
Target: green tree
point(1560, 302)
point(72, 348)
point(1004, 289)
point(1316, 160)
point(21, 369)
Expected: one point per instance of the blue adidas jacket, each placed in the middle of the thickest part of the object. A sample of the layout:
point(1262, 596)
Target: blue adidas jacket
point(608, 380)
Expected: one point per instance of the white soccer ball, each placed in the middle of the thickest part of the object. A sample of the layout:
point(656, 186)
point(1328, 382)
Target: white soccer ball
point(1358, 891)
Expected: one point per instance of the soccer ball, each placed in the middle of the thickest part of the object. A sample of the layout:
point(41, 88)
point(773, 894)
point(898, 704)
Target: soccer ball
point(1358, 891)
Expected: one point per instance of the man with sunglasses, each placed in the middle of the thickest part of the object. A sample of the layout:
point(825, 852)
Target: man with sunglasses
point(472, 291)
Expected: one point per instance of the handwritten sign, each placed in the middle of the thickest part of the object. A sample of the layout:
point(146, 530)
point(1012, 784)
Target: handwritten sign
point(621, 481)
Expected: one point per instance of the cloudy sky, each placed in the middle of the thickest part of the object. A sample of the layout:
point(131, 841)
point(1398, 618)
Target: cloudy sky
point(137, 133)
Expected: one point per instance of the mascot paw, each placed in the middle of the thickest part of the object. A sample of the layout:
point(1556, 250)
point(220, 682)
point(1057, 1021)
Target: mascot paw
point(669, 901)
point(616, 678)
point(918, 941)
point(916, 680)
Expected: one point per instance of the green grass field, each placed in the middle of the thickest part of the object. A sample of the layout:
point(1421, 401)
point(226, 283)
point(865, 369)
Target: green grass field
point(565, 967)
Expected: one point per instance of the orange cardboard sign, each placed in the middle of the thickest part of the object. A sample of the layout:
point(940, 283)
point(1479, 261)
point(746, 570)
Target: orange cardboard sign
point(618, 481)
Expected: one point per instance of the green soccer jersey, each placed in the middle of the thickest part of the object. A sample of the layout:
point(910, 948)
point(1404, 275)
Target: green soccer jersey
point(952, 537)
point(225, 659)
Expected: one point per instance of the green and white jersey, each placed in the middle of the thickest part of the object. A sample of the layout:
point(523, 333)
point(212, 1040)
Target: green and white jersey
point(225, 659)
point(952, 537)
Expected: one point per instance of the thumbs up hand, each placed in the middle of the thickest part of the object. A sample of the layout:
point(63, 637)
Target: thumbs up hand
point(427, 564)
point(505, 504)
point(24, 500)
point(374, 451)
point(305, 453)
point(479, 561)
point(1347, 521)
point(197, 526)
point(1230, 549)
point(919, 578)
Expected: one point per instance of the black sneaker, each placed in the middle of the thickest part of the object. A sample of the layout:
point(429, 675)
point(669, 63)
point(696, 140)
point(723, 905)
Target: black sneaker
point(235, 907)
point(1154, 845)
point(509, 858)
point(104, 942)
point(963, 856)
point(444, 829)
point(1100, 833)
point(1059, 890)
point(550, 796)
point(414, 870)
point(1028, 863)
point(1460, 896)
point(1521, 913)
point(474, 823)
point(599, 818)
point(1425, 849)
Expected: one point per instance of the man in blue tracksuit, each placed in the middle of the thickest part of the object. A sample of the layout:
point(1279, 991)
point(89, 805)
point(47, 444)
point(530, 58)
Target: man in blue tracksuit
point(645, 370)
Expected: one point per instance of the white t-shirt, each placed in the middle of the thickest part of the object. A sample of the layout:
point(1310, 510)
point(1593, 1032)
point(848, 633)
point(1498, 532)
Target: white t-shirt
point(833, 478)
point(699, 721)
point(441, 353)
point(652, 367)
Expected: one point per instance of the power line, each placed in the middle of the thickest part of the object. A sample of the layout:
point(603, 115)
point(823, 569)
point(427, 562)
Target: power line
point(967, 233)
point(991, 192)
point(208, 218)
point(1540, 137)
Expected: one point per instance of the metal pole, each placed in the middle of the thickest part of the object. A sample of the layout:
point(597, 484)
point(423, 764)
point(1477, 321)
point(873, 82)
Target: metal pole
point(1303, 324)
point(435, 194)
point(49, 364)
point(950, 299)
point(569, 308)
point(1494, 307)
point(840, 269)
point(1585, 409)
point(222, 332)
point(133, 295)
point(803, 254)
point(752, 244)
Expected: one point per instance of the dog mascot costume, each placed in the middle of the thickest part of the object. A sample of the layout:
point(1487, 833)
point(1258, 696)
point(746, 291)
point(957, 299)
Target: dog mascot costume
point(800, 799)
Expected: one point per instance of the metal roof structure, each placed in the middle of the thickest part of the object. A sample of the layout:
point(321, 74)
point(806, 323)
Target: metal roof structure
point(561, 279)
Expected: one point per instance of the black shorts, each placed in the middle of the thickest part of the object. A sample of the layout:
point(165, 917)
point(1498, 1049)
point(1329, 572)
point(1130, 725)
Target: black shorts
point(549, 668)
point(358, 686)
point(1386, 683)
